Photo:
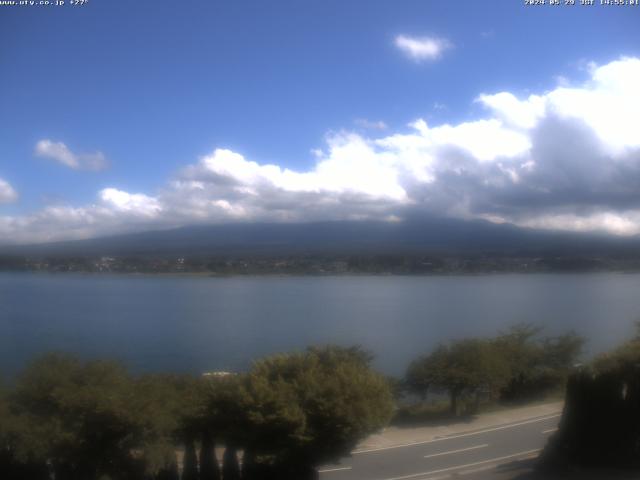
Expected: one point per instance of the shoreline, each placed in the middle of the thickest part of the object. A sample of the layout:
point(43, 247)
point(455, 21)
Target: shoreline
point(315, 274)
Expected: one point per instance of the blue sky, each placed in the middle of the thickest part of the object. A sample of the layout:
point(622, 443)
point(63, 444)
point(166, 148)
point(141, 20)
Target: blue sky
point(133, 97)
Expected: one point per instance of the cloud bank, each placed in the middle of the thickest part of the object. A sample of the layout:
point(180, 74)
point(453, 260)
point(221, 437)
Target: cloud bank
point(564, 159)
point(61, 154)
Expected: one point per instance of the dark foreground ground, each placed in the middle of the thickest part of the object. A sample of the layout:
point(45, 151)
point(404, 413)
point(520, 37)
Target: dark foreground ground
point(525, 470)
point(505, 451)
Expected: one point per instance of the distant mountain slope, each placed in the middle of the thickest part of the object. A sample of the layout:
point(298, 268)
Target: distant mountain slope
point(431, 235)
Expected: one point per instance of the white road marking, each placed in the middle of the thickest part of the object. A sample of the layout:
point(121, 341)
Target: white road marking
point(338, 469)
point(550, 430)
point(457, 467)
point(456, 451)
point(441, 439)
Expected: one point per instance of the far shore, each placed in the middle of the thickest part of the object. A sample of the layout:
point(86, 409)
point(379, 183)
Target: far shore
point(315, 274)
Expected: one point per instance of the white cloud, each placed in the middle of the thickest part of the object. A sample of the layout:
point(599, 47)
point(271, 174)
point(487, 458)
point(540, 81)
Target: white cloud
point(59, 152)
point(609, 104)
point(422, 48)
point(370, 125)
point(518, 113)
point(7, 192)
point(626, 223)
point(136, 203)
point(563, 159)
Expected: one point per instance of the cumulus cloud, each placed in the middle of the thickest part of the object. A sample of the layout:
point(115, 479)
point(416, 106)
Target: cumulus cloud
point(60, 153)
point(422, 48)
point(114, 211)
point(137, 203)
point(566, 159)
point(7, 193)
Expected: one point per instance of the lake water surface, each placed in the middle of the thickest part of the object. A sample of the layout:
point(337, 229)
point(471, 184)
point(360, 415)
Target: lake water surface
point(198, 324)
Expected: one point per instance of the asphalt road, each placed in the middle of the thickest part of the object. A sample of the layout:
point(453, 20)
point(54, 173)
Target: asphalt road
point(483, 454)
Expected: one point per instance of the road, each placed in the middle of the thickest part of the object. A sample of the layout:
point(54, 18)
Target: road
point(481, 454)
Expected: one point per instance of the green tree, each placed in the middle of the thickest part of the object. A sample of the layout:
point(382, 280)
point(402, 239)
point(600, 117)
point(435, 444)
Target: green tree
point(170, 411)
point(169, 471)
point(624, 360)
point(294, 411)
point(562, 352)
point(600, 424)
point(75, 416)
point(470, 367)
point(230, 465)
point(209, 468)
point(426, 372)
point(190, 462)
point(17, 461)
point(537, 365)
point(522, 351)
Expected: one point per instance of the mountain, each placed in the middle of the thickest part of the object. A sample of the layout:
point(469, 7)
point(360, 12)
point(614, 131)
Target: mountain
point(414, 236)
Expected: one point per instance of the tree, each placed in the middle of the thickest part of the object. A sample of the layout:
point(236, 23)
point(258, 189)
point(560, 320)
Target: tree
point(600, 424)
point(190, 462)
point(624, 359)
point(169, 471)
point(17, 461)
point(308, 408)
point(470, 367)
point(473, 367)
point(294, 411)
point(90, 420)
point(230, 466)
point(425, 372)
point(169, 410)
point(524, 356)
point(75, 416)
point(537, 365)
point(561, 353)
point(209, 468)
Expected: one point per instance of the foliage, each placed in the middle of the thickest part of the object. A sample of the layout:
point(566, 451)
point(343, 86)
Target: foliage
point(76, 416)
point(516, 365)
point(169, 410)
point(209, 468)
point(624, 359)
point(538, 365)
point(312, 407)
point(600, 425)
point(92, 420)
point(470, 367)
point(230, 465)
point(424, 373)
point(434, 412)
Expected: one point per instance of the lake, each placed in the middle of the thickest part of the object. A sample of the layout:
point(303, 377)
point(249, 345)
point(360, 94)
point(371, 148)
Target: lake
point(197, 324)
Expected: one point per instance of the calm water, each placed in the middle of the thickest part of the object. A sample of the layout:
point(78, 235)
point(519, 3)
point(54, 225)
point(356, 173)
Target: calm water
point(199, 324)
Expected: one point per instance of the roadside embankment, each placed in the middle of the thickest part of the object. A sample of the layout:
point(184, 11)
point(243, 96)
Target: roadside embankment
point(395, 437)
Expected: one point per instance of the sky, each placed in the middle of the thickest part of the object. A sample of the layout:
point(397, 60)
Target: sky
point(120, 116)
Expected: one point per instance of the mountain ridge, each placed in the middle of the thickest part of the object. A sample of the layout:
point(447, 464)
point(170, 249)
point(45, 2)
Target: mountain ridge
point(418, 235)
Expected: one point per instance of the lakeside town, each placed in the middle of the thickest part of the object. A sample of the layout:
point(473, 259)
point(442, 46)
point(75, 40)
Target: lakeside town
point(320, 264)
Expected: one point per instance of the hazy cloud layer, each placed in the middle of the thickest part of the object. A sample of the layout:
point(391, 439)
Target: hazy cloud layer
point(564, 159)
point(7, 193)
point(60, 153)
